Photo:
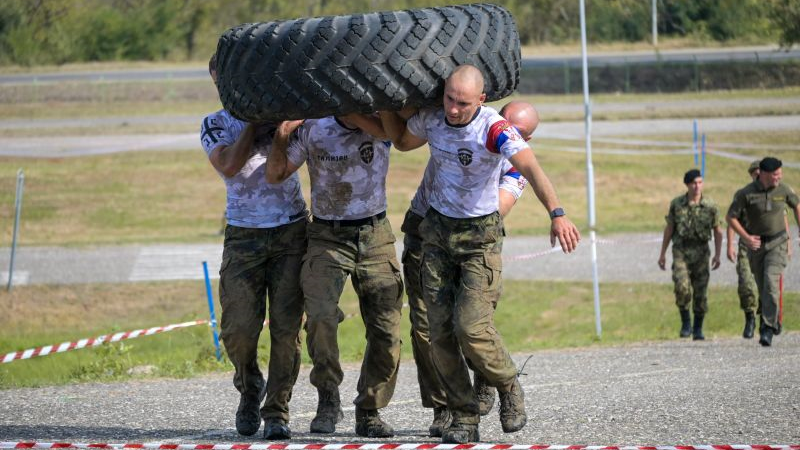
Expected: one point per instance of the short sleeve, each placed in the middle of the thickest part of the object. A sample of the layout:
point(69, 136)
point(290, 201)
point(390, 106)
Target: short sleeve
point(670, 217)
point(512, 181)
point(297, 151)
point(416, 124)
point(736, 210)
point(215, 132)
point(503, 138)
point(791, 197)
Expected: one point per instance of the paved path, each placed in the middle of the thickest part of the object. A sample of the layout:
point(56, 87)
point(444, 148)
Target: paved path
point(624, 258)
point(64, 146)
point(720, 391)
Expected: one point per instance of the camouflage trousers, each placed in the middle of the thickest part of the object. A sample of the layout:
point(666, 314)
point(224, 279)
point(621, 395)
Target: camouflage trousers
point(430, 389)
point(690, 272)
point(748, 290)
point(367, 255)
point(461, 283)
point(767, 264)
point(259, 264)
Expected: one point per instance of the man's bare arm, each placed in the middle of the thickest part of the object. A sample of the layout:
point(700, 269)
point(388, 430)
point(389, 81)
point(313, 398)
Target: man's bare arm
point(229, 159)
point(717, 247)
point(398, 133)
point(278, 166)
point(662, 257)
point(752, 242)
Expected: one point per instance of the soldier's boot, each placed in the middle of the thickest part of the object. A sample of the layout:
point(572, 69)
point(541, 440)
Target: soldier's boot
point(749, 325)
point(248, 418)
point(460, 433)
point(441, 419)
point(697, 329)
point(276, 428)
point(484, 393)
point(329, 412)
point(686, 323)
point(512, 408)
point(765, 334)
point(370, 425)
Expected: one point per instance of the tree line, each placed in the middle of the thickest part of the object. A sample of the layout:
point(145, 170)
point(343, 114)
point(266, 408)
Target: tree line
point(34, 32)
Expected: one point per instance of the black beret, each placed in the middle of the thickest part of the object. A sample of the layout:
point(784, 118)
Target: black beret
point(689, 176)
point(770, 164)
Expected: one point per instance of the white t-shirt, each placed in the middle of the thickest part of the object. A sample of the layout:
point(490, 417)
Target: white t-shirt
point(252, 202)
point(510, 181)
point(347, 168)
point(466, 159)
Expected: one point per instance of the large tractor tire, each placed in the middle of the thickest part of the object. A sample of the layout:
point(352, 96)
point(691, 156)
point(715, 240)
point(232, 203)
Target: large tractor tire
point(309, 68)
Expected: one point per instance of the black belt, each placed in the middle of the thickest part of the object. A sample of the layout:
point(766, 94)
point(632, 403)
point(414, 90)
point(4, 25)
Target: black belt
point(351, 223)
point(765, 239)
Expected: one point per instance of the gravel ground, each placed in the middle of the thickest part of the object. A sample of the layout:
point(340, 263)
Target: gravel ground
point(721, 391)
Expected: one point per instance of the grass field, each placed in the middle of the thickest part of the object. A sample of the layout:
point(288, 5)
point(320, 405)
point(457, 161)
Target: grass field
point(531, 316)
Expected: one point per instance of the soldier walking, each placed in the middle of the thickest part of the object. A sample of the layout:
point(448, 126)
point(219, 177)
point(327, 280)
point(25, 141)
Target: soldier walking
point(762, 203)
point(690, 220)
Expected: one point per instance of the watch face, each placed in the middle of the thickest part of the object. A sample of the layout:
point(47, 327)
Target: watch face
point(558, 212)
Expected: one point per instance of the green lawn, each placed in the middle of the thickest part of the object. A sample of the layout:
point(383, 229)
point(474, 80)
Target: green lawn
point(531, 316)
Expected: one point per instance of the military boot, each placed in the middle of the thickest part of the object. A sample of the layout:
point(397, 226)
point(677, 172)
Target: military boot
point(441, 419)
point(749, 325)
point(248, 418)
point(512, 408)
point(370, 425)
point(276, 428)
point(329, 412)
point(484, 393)
point(461, 433)
point(686, 323)
point(697, 329)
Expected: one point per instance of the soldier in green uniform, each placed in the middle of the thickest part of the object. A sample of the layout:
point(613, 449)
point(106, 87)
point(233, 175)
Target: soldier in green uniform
point(764, 233)
point(748, 291)
point(690, 221)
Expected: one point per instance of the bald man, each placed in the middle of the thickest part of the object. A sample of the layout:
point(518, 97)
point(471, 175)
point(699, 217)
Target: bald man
point(462, 241)
point(525, 118)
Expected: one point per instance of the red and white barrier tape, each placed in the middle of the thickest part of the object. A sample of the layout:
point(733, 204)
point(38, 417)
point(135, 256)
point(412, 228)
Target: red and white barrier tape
point(93, 342)
point(387, 446)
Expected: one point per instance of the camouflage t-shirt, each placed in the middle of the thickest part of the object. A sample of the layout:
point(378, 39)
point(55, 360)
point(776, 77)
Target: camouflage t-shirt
point(347, 168)
point(466, 159)
point(692, 224)
point(252, 202)
point(510, 181)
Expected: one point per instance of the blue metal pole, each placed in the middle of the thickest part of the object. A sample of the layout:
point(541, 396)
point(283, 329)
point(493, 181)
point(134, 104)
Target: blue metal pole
point(703, 166)
point(211, 311)
point(694, 141)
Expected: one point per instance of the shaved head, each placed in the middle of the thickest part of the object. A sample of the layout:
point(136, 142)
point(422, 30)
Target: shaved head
point(463, 94)
point(523, 116)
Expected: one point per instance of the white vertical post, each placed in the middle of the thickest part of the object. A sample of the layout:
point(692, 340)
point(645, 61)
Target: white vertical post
point(655, 23)
point(18, 211)
point(590, 173)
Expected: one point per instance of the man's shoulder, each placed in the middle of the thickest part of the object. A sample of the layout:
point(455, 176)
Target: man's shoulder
point(221, 118)
point(678, 201)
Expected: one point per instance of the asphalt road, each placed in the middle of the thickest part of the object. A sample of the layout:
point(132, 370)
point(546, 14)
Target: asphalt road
point(720, 391)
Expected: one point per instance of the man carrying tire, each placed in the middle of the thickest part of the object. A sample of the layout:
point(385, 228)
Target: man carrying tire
point(462, 240)
point(349, 236)
point(525, 119)
point(265, 239)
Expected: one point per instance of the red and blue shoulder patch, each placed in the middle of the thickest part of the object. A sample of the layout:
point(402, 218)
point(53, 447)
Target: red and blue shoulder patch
point(499, 133)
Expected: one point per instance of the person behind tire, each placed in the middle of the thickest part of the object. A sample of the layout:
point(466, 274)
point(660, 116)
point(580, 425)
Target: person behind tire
point(525, 119)
point(349, 236)
point(763, 204)
point(462, 239)
point(691, 220)
point(265, 239)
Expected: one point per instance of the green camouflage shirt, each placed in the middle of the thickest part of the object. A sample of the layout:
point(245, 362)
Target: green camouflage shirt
point(692, 224)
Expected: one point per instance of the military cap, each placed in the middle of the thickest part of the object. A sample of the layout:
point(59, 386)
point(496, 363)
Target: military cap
point(770, 164)
point(689, 176)
point(753, 166)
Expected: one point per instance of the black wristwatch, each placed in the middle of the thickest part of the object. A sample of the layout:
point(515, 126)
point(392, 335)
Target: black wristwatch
point(558, 212)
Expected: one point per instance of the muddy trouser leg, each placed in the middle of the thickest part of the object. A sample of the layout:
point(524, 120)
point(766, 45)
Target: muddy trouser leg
point(699, 274)
point(326, 266)
point(285, 318)
point(430, 389)
point(242, 293)
point(379, 286)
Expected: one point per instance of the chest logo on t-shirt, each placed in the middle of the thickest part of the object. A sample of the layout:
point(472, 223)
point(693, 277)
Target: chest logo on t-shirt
point(367, 152)
point(464, 156)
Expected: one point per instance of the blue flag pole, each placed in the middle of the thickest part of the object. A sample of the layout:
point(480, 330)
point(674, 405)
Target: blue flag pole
point(694, 141)
point(211, 311)
point(703, 167)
